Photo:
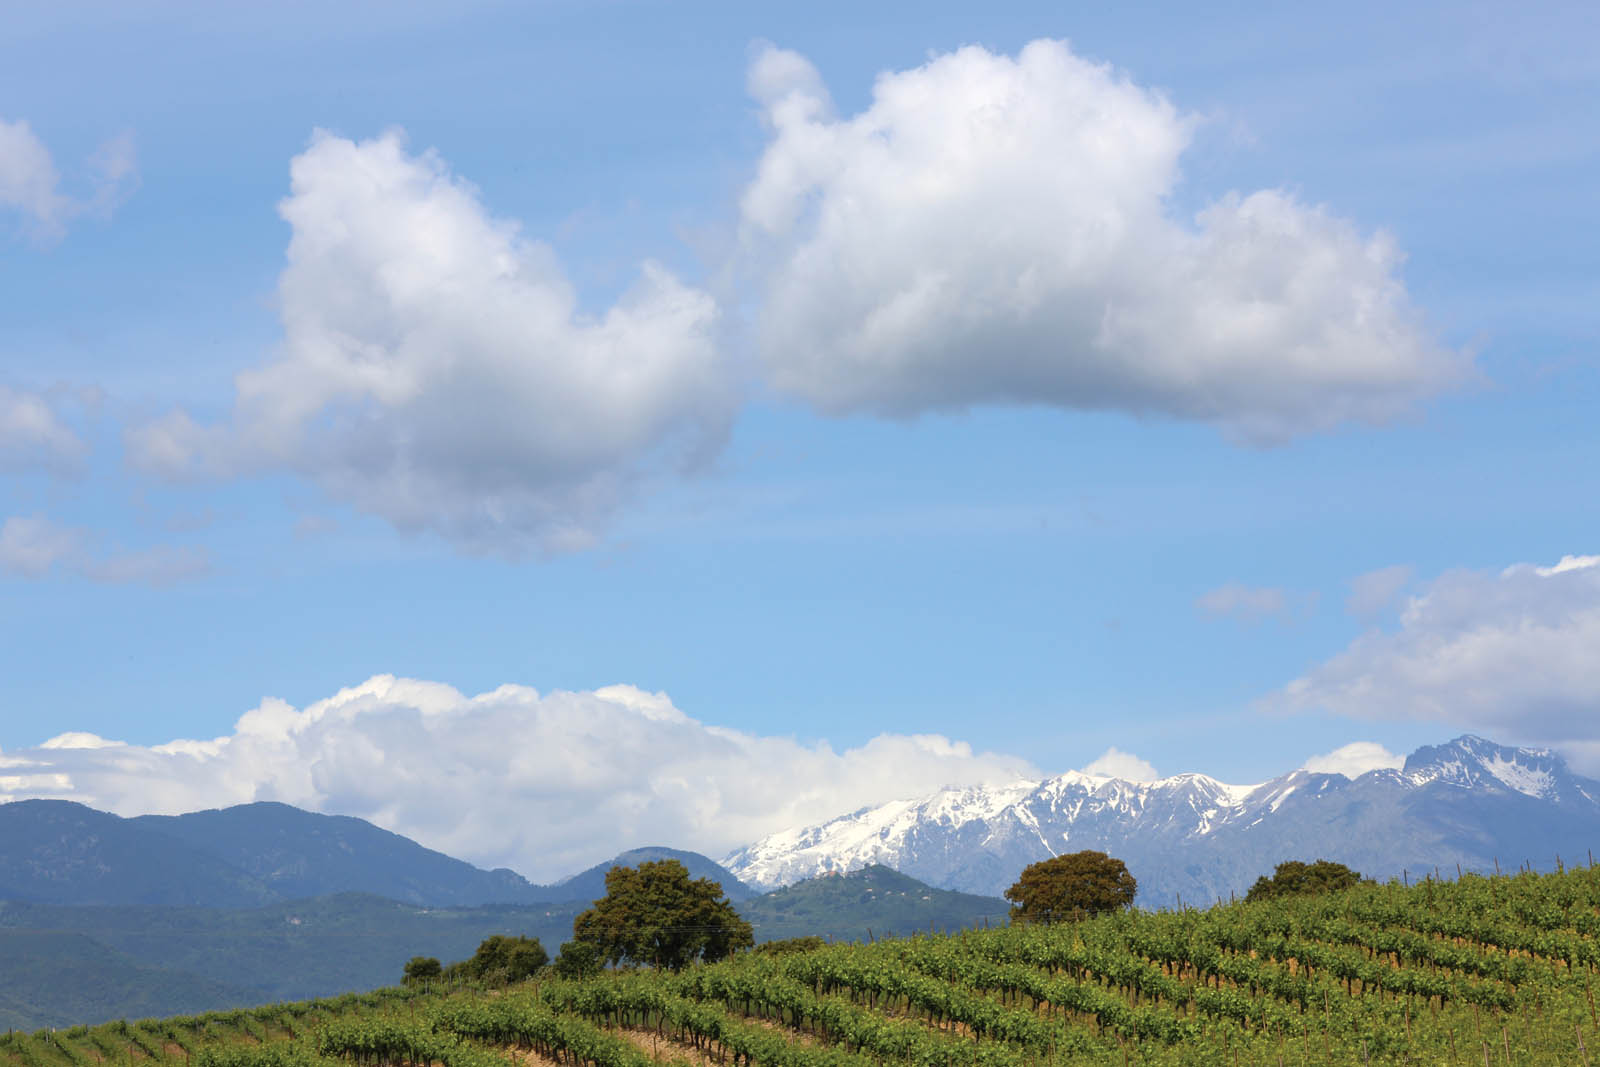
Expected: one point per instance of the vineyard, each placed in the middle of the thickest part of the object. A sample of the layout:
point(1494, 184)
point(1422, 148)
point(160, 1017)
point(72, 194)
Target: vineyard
point(1497, 971)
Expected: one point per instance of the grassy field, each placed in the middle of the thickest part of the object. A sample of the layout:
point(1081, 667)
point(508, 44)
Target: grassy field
point(1480, 970)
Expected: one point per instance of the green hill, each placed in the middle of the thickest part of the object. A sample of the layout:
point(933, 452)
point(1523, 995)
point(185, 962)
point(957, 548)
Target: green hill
point(295, 853)
point(66, 853)
point(874, 901)
point(192, 959)
point(79, 979)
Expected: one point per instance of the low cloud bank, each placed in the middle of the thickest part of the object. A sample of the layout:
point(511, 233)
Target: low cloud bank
point(545, 784)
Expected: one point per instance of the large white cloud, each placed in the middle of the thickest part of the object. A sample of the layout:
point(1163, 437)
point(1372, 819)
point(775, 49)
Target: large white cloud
point(545, 784)
point(1511, 654)
point(437, 368)
point(1000, 230)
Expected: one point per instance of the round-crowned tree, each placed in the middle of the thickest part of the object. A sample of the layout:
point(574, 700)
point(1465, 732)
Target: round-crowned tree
point(1292, 878)
point(421, 969)
point(1073, 886)
point(655, 915)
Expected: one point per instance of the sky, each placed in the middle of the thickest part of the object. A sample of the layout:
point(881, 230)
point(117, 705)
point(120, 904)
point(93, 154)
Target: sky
point(646, 423)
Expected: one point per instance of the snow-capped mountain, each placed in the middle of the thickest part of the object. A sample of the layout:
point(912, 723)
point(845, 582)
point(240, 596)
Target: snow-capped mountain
point(1470, 801)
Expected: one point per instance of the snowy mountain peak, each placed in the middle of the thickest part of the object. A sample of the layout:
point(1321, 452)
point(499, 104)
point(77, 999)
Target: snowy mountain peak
point(1473, 762)
point(1194, 837)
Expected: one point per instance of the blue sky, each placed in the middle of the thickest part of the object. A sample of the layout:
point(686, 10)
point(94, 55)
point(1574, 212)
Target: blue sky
point(822, 503)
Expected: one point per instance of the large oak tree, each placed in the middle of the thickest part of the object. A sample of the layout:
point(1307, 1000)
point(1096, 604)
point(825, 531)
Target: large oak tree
point(1070, 887)
point(654, 915)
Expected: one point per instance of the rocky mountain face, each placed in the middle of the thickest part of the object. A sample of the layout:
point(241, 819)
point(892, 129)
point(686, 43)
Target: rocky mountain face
point(1469, 802)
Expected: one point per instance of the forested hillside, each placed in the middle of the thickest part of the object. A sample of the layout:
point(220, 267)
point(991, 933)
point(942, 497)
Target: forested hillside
point(1496, 970)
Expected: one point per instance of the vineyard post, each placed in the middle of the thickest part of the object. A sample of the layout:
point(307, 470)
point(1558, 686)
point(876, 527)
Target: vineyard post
point(1505, 1041)
point(1582, 1049)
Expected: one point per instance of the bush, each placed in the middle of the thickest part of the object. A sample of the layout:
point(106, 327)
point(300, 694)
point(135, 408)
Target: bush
point(790, 946)
point(421, 969)
point(501, 960)
point(1293, 878)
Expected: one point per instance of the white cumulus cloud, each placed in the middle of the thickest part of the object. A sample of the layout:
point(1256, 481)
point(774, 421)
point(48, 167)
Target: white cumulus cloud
point(1509, 654)
point(546, 784)
point(1115, 763)
point(438, 370)
point(1354, 760)
point(995, 229)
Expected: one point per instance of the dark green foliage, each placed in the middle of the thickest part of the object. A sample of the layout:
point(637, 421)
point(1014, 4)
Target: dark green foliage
point(846, 906)
point(421, 969)
point(578, 959)
point(1293, 877)
point(1073, 886)
point(501, 960)
point(654, 915)
point(790, 946)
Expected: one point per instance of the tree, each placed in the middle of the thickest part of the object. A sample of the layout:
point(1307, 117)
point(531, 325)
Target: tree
point(1071, 887)
point(1292, 878)
point(654, 915)
point(578, 959)
point(501, 960)
point(421, 969)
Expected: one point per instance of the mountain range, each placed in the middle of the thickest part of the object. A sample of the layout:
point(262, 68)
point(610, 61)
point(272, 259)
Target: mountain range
point(1469, 802)
point(102, 916)
point(62, 852)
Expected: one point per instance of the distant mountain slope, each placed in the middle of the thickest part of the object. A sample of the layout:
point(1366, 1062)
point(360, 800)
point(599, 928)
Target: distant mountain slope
point(299, 853)
point(871, 902)
point(219, 958)
point(57, 978)
point(590, 885)
point(65, 853)
point(1469, 801)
